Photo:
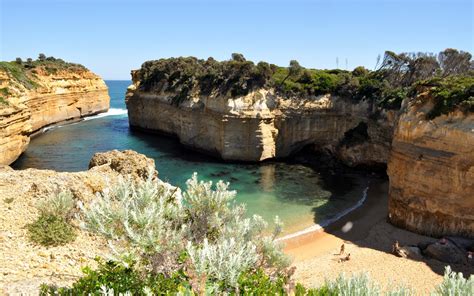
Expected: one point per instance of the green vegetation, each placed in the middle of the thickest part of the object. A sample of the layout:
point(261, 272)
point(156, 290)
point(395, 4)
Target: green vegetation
point(450, 93)
point(396, 77)
point(195, 243)
point(24, 72)
point(19, 73)
point(53, 226)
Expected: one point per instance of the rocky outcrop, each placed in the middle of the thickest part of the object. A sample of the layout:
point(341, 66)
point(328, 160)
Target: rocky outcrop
point(431, 171)
point(262, 124)
point(127, 162)
point(24, 265)
point(51, 98)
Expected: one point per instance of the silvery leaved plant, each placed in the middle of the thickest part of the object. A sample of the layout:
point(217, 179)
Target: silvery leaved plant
point(201, 230)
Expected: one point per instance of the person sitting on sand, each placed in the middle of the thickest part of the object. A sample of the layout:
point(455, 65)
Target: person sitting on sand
point(344, 259)
point(341, 252)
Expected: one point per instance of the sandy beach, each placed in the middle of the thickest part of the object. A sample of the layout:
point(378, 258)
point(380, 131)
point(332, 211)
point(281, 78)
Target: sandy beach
point(368, 238)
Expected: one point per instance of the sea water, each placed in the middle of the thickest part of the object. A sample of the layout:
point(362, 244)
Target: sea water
point(299, 195)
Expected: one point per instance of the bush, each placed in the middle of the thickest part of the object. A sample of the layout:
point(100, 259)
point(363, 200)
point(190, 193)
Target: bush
point(53, 226)
point(449, 94)
point(454, 284)
point(51, 230)
point(201, 231)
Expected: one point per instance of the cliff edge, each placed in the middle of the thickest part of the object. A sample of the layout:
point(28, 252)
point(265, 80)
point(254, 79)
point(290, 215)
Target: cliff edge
point(36, 94)
point(431, 170)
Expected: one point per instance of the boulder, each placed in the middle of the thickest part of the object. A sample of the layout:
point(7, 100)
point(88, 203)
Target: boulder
point(445, 250)
point(127, 162)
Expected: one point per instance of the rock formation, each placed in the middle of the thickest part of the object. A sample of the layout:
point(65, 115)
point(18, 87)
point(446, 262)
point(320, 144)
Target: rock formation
point(240, 111)
point(33, 99)
point(263, 125)
point(431, 172)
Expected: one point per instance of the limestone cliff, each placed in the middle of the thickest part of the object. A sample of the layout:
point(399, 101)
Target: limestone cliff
point(431, 171)
point(32, 99)
point(261, 124)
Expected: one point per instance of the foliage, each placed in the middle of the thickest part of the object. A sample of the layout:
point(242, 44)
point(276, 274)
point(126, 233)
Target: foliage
point(395, 77)
point(23, 73)
point(59, 204)
point(53, 227)
point(454, 284)
point(201, 231)
point(18, 73)
point(121, 279)
point(50, 230)
point(449, 93)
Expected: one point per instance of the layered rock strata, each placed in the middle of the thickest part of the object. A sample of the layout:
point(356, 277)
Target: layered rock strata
point(64, 95)
point(431, 172)
point(262, 125)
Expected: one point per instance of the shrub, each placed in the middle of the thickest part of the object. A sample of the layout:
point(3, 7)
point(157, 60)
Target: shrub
point(59, 204)
point(450, 93)
point(201, 231)
point(18, 61)
point(53, 226)
point(454, 284)
point(50, 230)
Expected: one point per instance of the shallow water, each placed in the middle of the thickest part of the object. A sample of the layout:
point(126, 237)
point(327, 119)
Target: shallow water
point(298, 194)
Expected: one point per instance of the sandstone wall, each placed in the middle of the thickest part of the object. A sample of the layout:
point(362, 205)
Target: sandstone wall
point(431, 171)
point(255, 127)
point(57, 97)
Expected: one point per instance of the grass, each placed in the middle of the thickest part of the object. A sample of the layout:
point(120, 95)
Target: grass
point(19, 73)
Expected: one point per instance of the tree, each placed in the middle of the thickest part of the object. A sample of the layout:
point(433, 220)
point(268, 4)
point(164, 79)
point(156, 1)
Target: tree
point(454, 62)
point(41, 57)
point(238, 57)
point(360, 71)
point(294, 70)
point(18, 61)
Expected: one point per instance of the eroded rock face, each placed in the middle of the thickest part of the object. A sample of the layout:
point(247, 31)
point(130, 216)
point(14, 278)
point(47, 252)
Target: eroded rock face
point(260, 125)
point(431, 171)
point(57, 97)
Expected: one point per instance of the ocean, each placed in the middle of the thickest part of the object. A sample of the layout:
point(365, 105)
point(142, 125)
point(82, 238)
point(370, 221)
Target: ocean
point(301, 196)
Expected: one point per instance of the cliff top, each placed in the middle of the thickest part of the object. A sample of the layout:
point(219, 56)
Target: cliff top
point(398, 76)
point(17, 75)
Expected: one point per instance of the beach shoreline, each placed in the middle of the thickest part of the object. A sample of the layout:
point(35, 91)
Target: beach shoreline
point(368, 237)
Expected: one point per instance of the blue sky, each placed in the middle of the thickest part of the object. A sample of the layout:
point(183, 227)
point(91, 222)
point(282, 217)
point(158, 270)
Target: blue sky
point(113, 37)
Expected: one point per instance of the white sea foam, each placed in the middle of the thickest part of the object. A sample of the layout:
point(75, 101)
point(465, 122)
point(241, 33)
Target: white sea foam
point(111, 112)
point(326, 223)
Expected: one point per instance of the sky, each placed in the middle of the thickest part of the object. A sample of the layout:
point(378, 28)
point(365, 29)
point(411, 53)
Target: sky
point(113, 37)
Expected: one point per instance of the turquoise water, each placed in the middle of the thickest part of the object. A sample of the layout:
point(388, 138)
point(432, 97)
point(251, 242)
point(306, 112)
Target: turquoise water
point(298, 194)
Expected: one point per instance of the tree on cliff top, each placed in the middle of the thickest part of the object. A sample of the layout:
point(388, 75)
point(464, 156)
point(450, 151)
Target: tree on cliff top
point(294, 70)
